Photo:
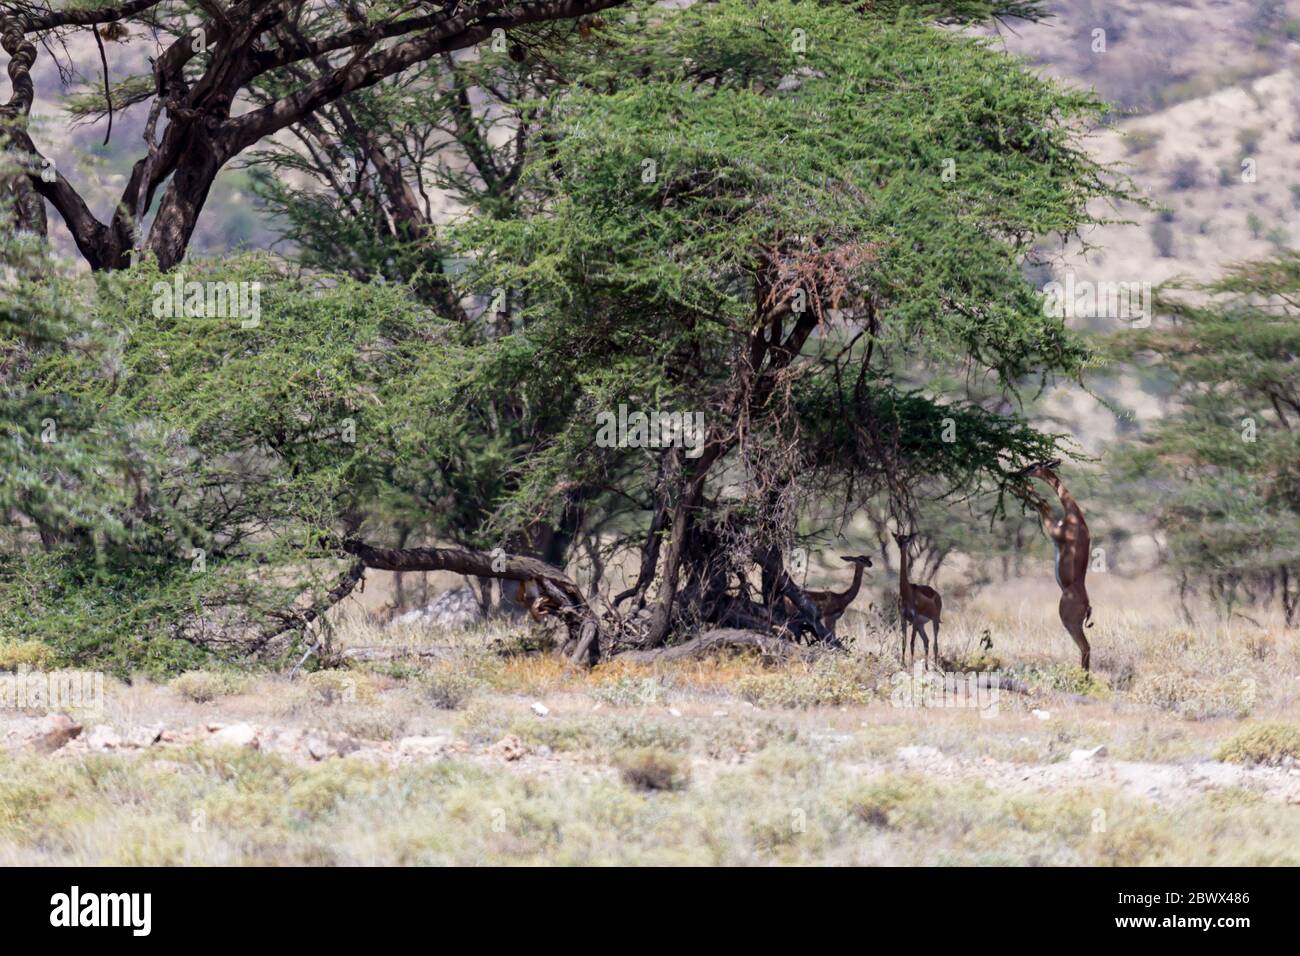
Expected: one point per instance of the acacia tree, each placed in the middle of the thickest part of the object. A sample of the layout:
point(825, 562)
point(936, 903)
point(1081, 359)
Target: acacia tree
point(209, 56)
point(367, 205)
point(361, 190)
point(787, 217)
point(755, 210)
point(209, 59)
point(1224, 469)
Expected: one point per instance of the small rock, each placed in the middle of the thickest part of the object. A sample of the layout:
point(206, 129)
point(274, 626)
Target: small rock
point(719, 713)
point(145, 736)
point(422, 746)
point(509, 747)
point(1043, 714)
point(449, 611)
point(674, 712)
point(540, 709)
point(52, 732)
point(103, 737)
point(323, 746)
point(919, 753)
point(290, 741)
point(1082, 756)
point(236, 735)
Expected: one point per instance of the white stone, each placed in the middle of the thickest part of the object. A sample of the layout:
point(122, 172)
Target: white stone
point(920, 752)
point(451, 610)
point(47, 734)
point(1082, 756)
point(422, 746)
point(540, 709)
point(103, 737)
point(145, 736)
point(1043, 715)
point(236, 735)
point(324, 746)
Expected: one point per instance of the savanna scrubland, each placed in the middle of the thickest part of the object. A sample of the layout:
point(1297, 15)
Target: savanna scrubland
point(829, 231)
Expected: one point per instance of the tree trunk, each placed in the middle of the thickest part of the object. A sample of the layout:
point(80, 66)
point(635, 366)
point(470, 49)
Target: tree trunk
point(183, 200)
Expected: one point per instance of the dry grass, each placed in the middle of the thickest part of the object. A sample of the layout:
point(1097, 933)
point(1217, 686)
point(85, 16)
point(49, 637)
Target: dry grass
point(723, 761)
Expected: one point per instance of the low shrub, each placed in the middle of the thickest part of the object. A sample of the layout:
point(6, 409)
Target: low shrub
point(653, 768)
point(1271, 744)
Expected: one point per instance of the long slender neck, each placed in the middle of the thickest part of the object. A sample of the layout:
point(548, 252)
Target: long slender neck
point(852, 592)
point(1067, 501)
point(904, 585)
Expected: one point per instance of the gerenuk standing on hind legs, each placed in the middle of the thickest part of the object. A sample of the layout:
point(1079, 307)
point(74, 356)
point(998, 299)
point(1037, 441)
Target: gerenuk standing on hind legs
point(1070, 537)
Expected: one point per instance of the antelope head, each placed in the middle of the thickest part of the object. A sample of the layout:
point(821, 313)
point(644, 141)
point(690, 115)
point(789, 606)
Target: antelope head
point(1042, 469)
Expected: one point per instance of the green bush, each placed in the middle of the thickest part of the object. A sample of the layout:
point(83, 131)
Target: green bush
point(204, 686)
point(448, 688)
point(1272, 744)
point(831, 682)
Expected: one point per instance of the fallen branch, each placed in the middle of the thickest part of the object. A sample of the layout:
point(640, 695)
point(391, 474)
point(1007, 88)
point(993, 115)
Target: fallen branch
point(1020, 687)
point(296, 620)
point(509, 567)
point(374, 653)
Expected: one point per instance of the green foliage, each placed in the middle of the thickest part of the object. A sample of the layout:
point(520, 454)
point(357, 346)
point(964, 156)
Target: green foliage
point(283, 425)
point(1226, 463)
point(115, 617)
point(59, 456)
point(737, 150)
point(1272, 743)
point(681, 178)
point(254, 438)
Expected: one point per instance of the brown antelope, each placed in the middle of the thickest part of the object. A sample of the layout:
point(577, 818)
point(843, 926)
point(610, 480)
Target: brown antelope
point(919, 604)
point(1073, 544)
point(539, 605)
point(831, 605)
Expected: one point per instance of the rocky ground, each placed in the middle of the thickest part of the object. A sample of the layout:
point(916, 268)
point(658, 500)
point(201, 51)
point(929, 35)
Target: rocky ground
point(1182, 749)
